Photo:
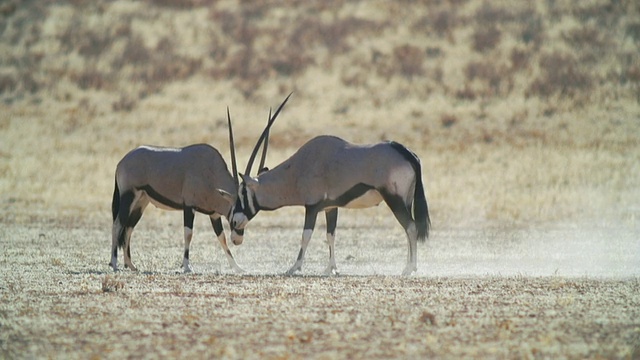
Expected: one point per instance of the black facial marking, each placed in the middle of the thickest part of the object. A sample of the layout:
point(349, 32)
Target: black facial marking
point(244, 207)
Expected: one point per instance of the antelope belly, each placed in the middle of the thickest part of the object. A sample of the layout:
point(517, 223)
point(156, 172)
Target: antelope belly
point(368, 199)
point(160, 205)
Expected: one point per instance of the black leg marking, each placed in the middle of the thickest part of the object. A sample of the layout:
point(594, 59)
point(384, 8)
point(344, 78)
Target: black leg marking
point(189, 215)
point(332, 220)
point(133, 219)
point(399, 208)
point(126, 200)
point(217, 225)
point(310, 215)
point(186, 253)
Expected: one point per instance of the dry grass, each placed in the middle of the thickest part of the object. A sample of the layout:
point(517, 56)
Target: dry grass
point(528, 89)
point(525, 117)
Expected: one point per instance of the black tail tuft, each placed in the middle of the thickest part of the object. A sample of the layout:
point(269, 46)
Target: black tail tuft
point(115, 204)
point(420, 207)
point(115, 209)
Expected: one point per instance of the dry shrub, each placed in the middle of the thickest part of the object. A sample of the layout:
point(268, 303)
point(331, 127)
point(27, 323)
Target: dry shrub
point(486, 38)
point(8, 8)
point(466, 93)
point(492, 75)
point(633, 31)
point(29, 83)
point(8, 83)
point(125, 103)
point(90, 79)
point(332, 35)
point(409, 60)
point(519, 59)
point(240, 55)
point(533, 30)
point(561, 74)
point(135, 53)
point(448, 120)
point(154, 68)
point(93, 44)
point(181, 4)
point(489, 14)
point(589, 42)
point(443, 21)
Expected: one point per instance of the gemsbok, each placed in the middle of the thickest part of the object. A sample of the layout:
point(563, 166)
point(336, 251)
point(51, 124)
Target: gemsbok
point(192, 179)
point(328, 173)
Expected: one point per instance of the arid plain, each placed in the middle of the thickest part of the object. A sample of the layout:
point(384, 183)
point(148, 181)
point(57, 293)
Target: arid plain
point(526, 118)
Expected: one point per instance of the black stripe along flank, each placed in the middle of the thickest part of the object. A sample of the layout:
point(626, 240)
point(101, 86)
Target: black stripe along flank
point(168, 203)
point(355, 192)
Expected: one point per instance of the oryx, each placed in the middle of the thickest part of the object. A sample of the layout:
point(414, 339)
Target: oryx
point(193, 179)
point(327, 173)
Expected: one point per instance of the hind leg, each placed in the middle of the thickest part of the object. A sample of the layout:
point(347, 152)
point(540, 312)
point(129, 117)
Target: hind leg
point(115, 233)
point(138, 205)
point(189, 215)
point(332, 220)
point(216, 222)
point(127, 249)
point(122, 209)
point(402, 212)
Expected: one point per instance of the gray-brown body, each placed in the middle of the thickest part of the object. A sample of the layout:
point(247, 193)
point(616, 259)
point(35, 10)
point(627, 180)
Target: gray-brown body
point(328, 173)
point(193, 179)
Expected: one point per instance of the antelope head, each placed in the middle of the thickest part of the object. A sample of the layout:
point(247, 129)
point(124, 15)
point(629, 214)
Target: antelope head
point(246, 206)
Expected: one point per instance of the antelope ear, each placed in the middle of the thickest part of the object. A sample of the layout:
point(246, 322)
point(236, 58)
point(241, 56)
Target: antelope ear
point(227, 196)
point(249, 181)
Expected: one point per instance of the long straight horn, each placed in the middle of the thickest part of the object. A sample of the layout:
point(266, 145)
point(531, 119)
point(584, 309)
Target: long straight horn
point(232, 146)
point(263, 159)
point(265, 132)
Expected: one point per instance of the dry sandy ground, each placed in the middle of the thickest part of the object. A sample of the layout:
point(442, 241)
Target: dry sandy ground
point(525, 116)
point(534, 293)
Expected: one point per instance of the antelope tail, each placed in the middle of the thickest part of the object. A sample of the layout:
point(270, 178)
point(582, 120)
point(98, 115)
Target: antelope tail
point(420, 207)
point(115, 209)
point(115, 204)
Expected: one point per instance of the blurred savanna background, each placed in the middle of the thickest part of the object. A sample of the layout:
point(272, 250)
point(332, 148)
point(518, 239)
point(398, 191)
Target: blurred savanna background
point(522, 112)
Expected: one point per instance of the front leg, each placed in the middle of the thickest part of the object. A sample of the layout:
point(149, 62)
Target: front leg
point(332, 221)
point(216, 222)
point(309, 223)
